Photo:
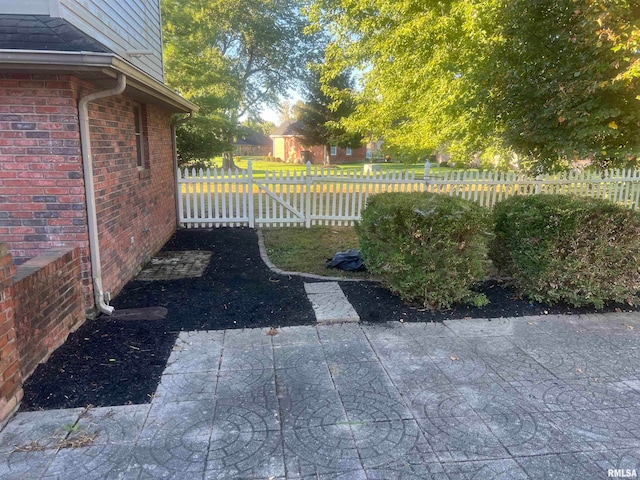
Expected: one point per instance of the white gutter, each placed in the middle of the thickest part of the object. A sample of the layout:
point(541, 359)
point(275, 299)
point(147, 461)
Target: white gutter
point(87, 165)
point(174, 152)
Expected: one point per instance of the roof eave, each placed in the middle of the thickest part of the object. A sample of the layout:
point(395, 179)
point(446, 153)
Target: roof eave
point(107, 64)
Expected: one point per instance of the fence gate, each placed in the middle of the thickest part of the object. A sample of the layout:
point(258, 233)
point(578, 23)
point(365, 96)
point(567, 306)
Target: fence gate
point(280, 198)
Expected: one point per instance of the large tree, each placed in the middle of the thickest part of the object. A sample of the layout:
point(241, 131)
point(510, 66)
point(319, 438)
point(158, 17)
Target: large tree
point(232, 57)
point(552, 79)
point(419, 62)
point(323, 110)
point(564, 83)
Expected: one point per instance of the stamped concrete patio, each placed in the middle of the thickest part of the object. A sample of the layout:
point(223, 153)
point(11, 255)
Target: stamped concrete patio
point(516, 398)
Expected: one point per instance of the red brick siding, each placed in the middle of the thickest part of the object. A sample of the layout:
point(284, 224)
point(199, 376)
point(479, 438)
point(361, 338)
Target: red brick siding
point(131, 203)
point(42, 185)
point(357, 155)
point(317, 154)
point(41, 179)
point(48, 304)
point(10, 377)
point(293, 153)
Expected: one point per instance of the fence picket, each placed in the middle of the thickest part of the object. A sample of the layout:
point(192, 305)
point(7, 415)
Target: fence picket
point(218, 197)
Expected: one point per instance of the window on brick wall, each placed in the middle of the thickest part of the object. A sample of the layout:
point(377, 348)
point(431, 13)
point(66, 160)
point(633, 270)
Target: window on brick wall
point(139, 122)
point(348, 151)
point(334, 151)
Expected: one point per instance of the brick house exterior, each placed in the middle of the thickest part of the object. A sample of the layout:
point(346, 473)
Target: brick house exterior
point(129, 145)
point(287, 147)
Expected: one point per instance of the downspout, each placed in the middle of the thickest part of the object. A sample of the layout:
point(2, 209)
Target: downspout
point(87, 165)
point(174, 151)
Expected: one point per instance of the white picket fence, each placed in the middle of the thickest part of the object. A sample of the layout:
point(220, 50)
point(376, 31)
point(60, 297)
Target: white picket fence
point(318, 196)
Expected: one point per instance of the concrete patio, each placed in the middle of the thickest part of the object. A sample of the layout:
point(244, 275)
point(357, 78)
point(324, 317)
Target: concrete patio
point(515, 398)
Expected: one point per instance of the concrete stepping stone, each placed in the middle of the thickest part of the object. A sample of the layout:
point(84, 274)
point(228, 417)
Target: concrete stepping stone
point(329, 303)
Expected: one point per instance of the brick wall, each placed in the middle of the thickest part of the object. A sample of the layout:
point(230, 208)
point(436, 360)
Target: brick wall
point(41, 177)
point(289, 150)
point(41, 302)
point(48, 304)
point(135, 207)
point(10, 377)
point(357, 155)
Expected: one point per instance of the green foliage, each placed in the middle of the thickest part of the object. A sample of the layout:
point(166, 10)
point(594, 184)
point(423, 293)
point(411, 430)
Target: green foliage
point(427, 248)
point(561, 87)
point(559, 248)
point(423, 64)
point(232, 57)
point(321, 114)
point(259, 125)
point(499, 159)
point(198, 141)
point(554, 80)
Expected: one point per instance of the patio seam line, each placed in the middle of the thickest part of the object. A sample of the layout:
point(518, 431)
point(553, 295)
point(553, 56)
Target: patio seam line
point(527, 354)
point(280, 415)
point(279, 271)
point(214, 402)
point(53, 457)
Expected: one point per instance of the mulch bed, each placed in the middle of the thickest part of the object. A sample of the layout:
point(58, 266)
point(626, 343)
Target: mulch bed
point(117, 362)
point(377, 304)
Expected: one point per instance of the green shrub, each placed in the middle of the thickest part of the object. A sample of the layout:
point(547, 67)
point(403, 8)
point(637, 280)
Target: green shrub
point(559, 248)
point(428, 248)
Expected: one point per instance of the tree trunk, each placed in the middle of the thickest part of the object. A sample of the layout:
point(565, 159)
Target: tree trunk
point(227, 161)
point(227, 157)
point(326, 161)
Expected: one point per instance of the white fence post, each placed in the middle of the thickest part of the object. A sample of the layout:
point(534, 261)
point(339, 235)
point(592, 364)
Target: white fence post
point(307, 193)
point(252, 220)
point(180, 212)
point(538, 184)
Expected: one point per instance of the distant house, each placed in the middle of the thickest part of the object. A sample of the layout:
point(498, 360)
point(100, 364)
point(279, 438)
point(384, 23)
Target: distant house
point(287, 148)
point(254, 144)
point(86, 139)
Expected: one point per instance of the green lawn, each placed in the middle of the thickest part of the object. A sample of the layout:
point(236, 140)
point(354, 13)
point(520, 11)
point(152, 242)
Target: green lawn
point(306, 250)
point(261, 166)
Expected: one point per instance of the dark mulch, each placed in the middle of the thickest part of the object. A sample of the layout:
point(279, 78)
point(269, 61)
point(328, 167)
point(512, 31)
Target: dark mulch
point(103, 363)
point(237, 290)
point(116, 362)
point(377, 304)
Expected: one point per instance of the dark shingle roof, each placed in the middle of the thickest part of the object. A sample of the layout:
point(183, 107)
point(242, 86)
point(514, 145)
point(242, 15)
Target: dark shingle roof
point(255, 138)
point(41, 32)
point(288, 129)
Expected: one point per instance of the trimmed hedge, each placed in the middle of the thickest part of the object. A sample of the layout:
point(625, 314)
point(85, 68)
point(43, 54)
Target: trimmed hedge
point(429, 249)
point(559, 248)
